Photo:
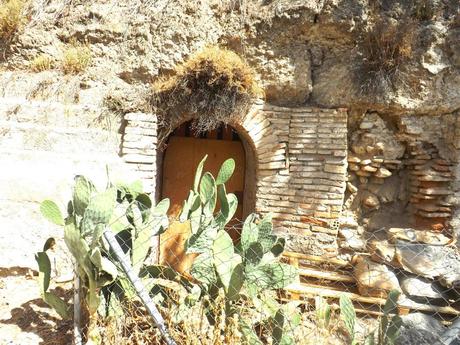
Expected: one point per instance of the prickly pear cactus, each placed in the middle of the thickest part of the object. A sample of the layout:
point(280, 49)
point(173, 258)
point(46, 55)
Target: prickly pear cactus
point(90, 213)
point(348, 316)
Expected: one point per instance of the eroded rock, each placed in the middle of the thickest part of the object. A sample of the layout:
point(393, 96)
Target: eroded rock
point(419, 329)
point(423, 236)
point(374, 279)
point(441, 262)
point(421, 289)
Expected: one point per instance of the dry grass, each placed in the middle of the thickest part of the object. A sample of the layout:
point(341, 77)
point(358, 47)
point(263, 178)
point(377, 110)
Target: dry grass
point(11, 17)
point(135, 327)
point(423, 10)
point(213, 86)
point(385, 48)
point(76, 58)
point(42, 62)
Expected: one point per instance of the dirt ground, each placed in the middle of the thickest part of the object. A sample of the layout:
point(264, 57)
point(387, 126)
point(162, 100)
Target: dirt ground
point(24, 318)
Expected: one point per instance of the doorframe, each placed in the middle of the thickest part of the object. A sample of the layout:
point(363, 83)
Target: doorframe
point(250, 174)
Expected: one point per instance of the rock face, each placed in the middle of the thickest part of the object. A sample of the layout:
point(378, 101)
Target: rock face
point(430, 261)
point(302, 51)
point(374, 138)
point(419, 329)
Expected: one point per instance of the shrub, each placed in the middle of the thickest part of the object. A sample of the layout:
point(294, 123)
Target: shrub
point(77, 57)
point(385, 48)
point(214, 86)
point(41, 63)
point(11, 17)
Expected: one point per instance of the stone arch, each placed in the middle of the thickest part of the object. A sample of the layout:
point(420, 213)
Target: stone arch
point(254, 130)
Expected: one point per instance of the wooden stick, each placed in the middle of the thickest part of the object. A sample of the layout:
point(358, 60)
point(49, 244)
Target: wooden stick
point(311, 290)
point(327, 275)
point(294, 262)
point(320, 259)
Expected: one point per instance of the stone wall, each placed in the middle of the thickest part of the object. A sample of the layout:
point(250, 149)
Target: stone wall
point(402, 171)
point(300, 167)
point(44, 143)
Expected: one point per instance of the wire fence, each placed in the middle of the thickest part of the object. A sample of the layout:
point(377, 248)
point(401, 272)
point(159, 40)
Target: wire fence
point(214, 297)
point(204, 277)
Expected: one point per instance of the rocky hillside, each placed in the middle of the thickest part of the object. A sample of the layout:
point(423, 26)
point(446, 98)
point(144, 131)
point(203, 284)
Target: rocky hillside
point(388, 56)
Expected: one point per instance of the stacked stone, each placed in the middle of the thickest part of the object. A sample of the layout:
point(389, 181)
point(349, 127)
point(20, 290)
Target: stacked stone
point(428, 268)
point(375, 168)
point(373, 157)
point(431, 177)
point(139, 147)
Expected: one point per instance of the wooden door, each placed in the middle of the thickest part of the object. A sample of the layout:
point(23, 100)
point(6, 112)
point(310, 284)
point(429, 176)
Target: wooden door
point(181, 159)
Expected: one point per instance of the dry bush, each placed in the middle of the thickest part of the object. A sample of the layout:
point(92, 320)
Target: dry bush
point(423, 10)
point(11, 17)
point(385, 48)
point(213, 86)
point(42, 62)
point(76, 57)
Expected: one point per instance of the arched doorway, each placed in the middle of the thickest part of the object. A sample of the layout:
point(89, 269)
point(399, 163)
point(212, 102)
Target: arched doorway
point(183, 153)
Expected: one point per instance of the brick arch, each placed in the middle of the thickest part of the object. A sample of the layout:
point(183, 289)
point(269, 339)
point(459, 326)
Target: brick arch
point(299, 167)
point(265, 154)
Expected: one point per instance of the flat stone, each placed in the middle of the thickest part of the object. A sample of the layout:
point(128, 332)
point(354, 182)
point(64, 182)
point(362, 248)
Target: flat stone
point(442, 168)
point(365, 162)
point(433, 214)
point(371, 201)
point(377, 159)
point(424, 197)
point(434, 178)
point(435, 191)
point(442, 162)
point(366, 125)
point(433, 208)
point(392, 161)
point(431, 173)
point(353, 159)
point(383, 173)
point(422, 156)
point(417, 287)
point(369, 168)
point(373, 279)
point(430, 261)
point(421, 236)
point(338, 169)
point(352, 188)
point(353, 167)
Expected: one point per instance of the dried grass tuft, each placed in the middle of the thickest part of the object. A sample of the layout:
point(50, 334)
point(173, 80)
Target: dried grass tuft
point(41, 63)
point(76, 58)
point(213, 86)
point(385, 48)
point(11, 17)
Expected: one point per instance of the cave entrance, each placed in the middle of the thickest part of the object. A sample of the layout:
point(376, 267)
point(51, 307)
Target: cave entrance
point(184, 151)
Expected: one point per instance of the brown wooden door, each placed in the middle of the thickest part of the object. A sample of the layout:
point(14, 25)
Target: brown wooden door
point(179, 165)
